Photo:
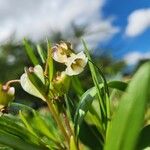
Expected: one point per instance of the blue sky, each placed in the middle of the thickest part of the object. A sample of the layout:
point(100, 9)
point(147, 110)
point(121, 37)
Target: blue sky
point(120, 43)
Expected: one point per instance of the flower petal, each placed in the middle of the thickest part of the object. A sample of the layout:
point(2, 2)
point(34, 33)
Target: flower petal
point(60, 52)
point(28, 86)
point(75, 64)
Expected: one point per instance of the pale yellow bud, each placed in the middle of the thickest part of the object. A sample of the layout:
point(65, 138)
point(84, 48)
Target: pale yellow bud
point(61, 83)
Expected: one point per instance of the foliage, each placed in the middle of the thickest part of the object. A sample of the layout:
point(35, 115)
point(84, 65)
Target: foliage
point(73, 118)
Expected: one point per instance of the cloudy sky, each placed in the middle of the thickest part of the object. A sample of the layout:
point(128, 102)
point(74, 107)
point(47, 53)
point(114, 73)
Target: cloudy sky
point(120, 25)
point(37, 19)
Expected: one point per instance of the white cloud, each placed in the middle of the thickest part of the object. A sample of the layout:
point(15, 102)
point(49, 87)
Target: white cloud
point(138, 22)
point(133, 57)
point(37, 19)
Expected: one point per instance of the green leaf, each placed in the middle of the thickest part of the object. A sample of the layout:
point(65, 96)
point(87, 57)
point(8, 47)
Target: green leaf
point(26, 123)
point(144, 138)
point(119, 85)
point(50, 61)
point(13, 128)
point(30, 52)
point(41, 53)
point(76, 84)
point(90, 136)
point(18, 106)
point(44, 129)
point(41, 127)
point(95, 80)
point(16, 142)
point(87, 99)
point(127, 122)
point(83, 106)
point(72, 144)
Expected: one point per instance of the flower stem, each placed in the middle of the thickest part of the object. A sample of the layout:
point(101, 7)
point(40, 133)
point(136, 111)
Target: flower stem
point(67, 124)
point(7, 84)
point(58, 121)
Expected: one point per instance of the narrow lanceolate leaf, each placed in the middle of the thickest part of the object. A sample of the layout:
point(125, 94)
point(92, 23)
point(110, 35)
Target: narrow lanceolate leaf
point(41, 53)
point(83, 107)
point(50, 61)
point(76, 84)
point(72, 144)
point(127, 122)
point(26, 123)
point(16, 142)
point(87, 99)
point(96, 83)
point(30, 53)
point(12, 132)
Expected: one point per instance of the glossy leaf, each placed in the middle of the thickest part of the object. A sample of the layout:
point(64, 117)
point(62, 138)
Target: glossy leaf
point(87, 99)
point(72, 144)
point(128, 120)
point(41, 53)
point(95, 80)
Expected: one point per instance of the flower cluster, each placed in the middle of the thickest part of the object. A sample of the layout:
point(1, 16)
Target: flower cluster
point(75, 63)
point(34, 81)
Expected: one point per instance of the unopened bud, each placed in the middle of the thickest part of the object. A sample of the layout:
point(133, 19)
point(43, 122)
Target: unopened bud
point(6, 95)
point(61, 83)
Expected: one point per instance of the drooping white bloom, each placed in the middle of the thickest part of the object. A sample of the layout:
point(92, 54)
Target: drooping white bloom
point(60, 52)
point(75, 64)
point(28, 86)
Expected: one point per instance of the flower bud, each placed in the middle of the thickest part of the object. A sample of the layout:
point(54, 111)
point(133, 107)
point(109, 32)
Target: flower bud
point(60, 52)
point(75, 64)
point(60, 84)
point(6, 95)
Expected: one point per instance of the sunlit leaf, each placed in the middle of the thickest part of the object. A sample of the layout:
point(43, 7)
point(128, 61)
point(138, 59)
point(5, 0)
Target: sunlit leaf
point(127, 122)
point(72, 144)
point(41, 53)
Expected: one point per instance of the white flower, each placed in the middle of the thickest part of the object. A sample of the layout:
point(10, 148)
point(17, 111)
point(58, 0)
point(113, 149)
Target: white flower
point(28, 86)
point(75, 64)
point(60, 52)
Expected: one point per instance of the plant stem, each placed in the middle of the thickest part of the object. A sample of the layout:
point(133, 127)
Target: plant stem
point(67, 124)
point(7, 84)
point(58, 120)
